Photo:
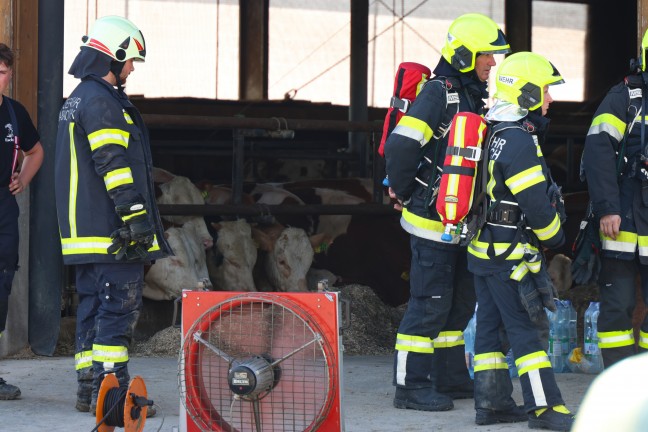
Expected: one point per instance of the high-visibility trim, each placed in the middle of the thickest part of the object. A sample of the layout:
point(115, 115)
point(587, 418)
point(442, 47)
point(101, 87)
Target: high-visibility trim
point(550, 230)
point(625, 242)
point(92, 245)
point(109, 353)
point(83, 360)
point(643, 340)
point(534, 361)
point(127, 117)
point(642, 241)
point(422, 227)
point(519, 272)
point(479, 249)
point(608, 123)
point(133, 215)
point(449, 339)
point(490, 185)
point(525, 179)
point(401, 367)
point(108, 136)
point(118, 177)
point(419, 344)
point(490, 361)
point(414, 128)
point(74, 183)
point(615, 339)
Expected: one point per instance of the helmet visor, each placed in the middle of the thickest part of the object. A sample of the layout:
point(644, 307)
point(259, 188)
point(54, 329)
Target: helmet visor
point(498, 46)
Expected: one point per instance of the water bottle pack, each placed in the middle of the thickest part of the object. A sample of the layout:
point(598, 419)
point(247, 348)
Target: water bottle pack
point(591, 348)
point(562, 335)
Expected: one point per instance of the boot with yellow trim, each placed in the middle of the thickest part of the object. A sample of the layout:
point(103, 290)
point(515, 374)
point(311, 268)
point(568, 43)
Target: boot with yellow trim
point(556, 418)
point(414, 378)
point(84, 389)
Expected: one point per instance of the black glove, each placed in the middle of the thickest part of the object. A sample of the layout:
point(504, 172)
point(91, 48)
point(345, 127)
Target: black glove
point(554, 192)
point(132, 241)
point(586, 262)
point(537, 292)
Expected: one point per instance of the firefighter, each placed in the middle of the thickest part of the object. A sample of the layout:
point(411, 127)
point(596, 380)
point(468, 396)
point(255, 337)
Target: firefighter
point(507, 252)
point(429, 361)
point(108, 219)
point(615, 167)
point(17, 135)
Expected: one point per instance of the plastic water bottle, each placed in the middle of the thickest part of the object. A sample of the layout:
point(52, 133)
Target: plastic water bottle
point(555, 343)
point(591, 348)
point(469, 341)
point(563, 325)
point(510, 359)
point(572, 327)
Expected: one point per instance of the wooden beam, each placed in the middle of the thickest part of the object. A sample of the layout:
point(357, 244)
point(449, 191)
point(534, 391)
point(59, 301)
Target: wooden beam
point(26, 47)
point(253, 49)
point(517, 24)
point(642, 19)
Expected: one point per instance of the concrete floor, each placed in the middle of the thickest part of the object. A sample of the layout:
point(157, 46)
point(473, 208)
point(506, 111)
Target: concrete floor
point(48, 386)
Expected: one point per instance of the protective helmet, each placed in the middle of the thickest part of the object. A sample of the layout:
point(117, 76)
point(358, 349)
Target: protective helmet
point(521, 79)
point(117, 37)
point(470, 35)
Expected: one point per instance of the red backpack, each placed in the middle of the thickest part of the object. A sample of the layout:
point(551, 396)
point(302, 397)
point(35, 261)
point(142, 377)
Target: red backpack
point(408, 82)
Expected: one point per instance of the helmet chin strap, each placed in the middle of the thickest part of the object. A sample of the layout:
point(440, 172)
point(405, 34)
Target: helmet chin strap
point(116, 68)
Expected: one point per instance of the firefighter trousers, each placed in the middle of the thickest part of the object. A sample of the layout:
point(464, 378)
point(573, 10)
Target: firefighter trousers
point(499, 303)
point(430, 346)
point(617, 287)
point(8, 250)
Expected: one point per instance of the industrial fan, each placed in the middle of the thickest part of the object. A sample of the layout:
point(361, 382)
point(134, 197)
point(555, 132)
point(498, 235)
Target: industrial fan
point(260, 362)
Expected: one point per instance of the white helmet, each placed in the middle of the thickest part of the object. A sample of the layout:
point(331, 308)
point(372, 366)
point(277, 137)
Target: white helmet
point(116, 37)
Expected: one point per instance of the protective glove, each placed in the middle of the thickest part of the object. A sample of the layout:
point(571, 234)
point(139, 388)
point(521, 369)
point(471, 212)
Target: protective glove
point(554, 192)
point(586, 262)
point(537, 292)
point(545, 287)
point(132, 241)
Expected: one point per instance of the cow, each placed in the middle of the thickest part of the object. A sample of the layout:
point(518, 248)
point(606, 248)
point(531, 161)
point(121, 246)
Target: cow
point(231, 262)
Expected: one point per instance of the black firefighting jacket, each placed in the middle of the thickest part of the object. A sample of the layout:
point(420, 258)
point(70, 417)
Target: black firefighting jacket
point(618, 190)
point(517, 185)
point(102, 159)
point(415, 150)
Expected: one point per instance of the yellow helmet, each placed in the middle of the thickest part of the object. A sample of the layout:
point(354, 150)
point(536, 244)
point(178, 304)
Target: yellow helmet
point(116, 37)
point(521, 79)
point(470, 35)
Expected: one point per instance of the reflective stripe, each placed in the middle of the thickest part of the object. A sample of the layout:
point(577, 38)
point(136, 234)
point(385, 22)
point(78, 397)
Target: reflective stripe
point(525, 179)
point(449, 339)
point(643, 340)
point(533, 361)
point(74, 182)
point(642, 241)
point(414, 128)
point(132, 215)
point(424, 228)
point(550, 230)
point(82, 360)
point(118, 177)
point(92, 245)
point(608, 123)
point(419, 344)
point(625, 242)
point(479, 249)
point(109, 353)
point(401, 367)
point(615, 339)
point(127, 117)
point(519, 271)
point(108, 136)
point(490, 361)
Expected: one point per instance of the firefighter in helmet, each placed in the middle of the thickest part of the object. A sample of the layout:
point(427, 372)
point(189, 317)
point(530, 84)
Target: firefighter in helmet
point(506, 255)
point(108, 219)
point(429, 362)
point(615, 165)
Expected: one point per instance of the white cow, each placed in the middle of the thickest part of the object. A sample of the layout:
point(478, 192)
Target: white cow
point(231, 262)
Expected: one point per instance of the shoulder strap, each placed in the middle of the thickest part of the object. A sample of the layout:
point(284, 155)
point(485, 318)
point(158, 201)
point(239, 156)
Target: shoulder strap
point(14, 125)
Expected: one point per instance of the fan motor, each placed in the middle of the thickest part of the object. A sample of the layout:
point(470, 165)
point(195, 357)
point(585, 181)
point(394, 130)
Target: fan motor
point(251, 377)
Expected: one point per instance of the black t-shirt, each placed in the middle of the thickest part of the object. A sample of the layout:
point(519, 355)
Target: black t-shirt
point(28, 137)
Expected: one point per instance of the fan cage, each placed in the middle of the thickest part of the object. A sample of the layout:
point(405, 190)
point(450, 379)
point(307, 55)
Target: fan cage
point(264, 325)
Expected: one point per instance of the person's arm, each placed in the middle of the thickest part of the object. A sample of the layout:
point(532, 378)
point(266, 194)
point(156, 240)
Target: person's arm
point(33, 159)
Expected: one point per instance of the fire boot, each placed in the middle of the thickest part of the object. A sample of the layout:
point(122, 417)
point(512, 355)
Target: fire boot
point(8, 391)
point(424, 399)
point(557, 418)
point(452, 377)
point(84, 389)
point(493, 401)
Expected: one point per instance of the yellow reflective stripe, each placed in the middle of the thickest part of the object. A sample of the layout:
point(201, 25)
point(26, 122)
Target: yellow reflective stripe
point(127, 117)
point(108, 136)
point(609, 123)
point(118, 177)
point(132, 215)
point(533, 361)
point(82, 360)
point(519, 271)
point(625, 242)
point(615, 339)
point(491, 180)
point(425, 228)
point(642, 241)
point(538, 150)
point(643, 340)
point(479, 249)
point(74, 182)
point(490, 361)
point(414, 128)
point(419, 344)
point(109, 353)
point(449, 339)
point(525, 179)
point(92, 245)
point(550, 230)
